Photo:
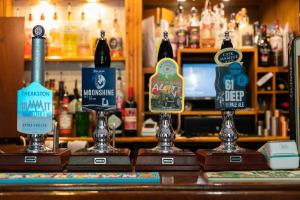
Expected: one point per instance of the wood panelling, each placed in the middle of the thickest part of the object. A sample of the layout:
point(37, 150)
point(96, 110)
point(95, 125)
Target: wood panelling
point(6, 8)
point(11, 69)
point(133, 9)
point(284, 11)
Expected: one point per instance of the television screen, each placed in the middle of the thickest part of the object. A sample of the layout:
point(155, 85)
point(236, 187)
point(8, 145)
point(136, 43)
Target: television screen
point(199, 80)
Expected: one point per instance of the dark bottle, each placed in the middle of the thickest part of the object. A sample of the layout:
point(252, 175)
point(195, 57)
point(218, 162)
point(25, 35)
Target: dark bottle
point(102, 53)
point(226, 41)
point(165, 48)
point(130, 115)
point(264, 49)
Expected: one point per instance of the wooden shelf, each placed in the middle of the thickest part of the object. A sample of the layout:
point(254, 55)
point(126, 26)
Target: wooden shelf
point(211, 50)
point(177, 140)
point(265, 92)
point(281, 92)
point(210, 112)
point(271, 69)
point(74, 59)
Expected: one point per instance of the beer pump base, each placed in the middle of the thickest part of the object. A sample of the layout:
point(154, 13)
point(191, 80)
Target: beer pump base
point(182, 160)
point(212, 160)
point(92, 161)
point(21, 161)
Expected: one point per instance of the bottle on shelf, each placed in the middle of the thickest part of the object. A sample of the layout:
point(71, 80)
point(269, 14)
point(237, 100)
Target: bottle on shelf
point(207, 26)
point(117, 116)
point(232, 29)
point(257, 34)
point(28, 34)
point(70, 36)
point(276, 42)
point(173, 39)
point(55, 99)
point(220, 24)
point(97, 33)
point(84, 38)
point(181, 27)
point(102, 53)
point(55, 37)
point(245, 29)
point(81, 120)
point(116, 40)
point(264, 49)
point(130, 115)
point(194, 26)
point(65, 120)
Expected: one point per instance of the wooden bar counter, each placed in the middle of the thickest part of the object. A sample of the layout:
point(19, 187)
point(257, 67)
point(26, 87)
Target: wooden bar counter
point(183, 185)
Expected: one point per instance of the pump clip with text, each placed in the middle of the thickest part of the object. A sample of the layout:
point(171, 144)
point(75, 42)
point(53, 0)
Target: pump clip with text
point(99, 89)
point(166, 88)
point(231, 80)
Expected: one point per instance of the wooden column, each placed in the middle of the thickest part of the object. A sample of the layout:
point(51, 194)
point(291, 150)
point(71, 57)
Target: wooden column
point(134, 69)
point(6, 8)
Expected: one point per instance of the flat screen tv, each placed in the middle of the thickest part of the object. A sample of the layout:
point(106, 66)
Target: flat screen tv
point(199, 79)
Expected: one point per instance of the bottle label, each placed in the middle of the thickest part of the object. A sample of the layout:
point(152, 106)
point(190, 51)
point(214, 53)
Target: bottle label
point(247, 39)
point(194, 37)
point(276, 43)
point(130, 118)
point(65, 123)
point(264, 55)
point(119, 102)
point(115, 43)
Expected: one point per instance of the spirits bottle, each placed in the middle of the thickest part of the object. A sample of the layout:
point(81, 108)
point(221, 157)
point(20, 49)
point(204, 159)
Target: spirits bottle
point(28, 34)
point(70, 36)
point(173, 39)
point(207, 26)
point(83, 47)
point(116, 41)
point(245, 29)
point(130, 115)
point(181, 27)
point(81, 120)
point(194, 26)
point(65, 118)
point(257, 34)
point(117, 116)
point(55, 37)
point(102, 53)
point(97, 33)
point(221, 23)
point(232, 29)
point(276, 42)
point(264, 49)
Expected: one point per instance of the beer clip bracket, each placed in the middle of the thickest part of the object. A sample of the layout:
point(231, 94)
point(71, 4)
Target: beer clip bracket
point(230, 84)
point(34, 118)
point(166, 96)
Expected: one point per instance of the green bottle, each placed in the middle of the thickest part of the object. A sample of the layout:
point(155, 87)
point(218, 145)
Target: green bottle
point(81, 120)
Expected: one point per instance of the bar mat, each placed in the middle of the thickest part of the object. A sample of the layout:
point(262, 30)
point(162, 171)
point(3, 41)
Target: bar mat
point(242, 176)
point(79, 178)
